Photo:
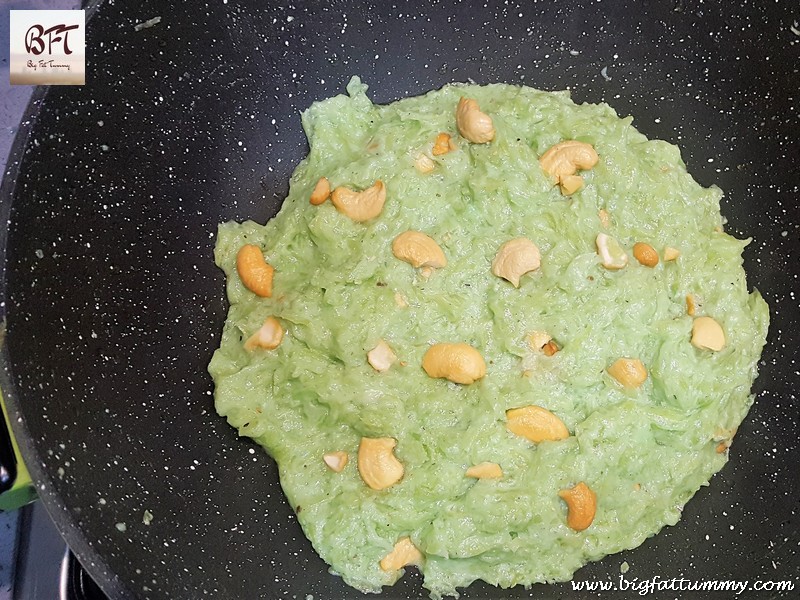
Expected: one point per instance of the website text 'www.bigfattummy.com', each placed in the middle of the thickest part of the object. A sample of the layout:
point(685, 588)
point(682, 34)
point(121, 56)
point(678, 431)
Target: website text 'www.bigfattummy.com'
point(644, 587)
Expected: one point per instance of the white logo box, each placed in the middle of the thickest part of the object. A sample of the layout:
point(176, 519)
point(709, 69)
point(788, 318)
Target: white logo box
point(47, 47)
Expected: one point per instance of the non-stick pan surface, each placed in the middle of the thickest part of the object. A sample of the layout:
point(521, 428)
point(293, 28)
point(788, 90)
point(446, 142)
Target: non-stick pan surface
point(113, 304)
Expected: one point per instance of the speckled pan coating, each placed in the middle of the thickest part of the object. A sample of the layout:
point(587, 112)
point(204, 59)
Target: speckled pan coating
point(114, 305)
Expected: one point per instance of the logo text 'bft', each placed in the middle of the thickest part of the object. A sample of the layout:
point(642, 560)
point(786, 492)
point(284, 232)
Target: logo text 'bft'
point(34, 42)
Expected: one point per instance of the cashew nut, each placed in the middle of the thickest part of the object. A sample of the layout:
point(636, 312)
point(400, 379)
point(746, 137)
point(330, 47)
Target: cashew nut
point(473, 125)
point(460, 363)
point(564, 159)
point(377, 464)
point(605, 218)
point(269, 336)
point(419, 250)
point(570, 184)
point(485, 470)
point(336, 461)
point(381, 357)
point(536, 424)
point(645, 254)
point(629, 372)
point(405, 553)
point(707, 334)
point(581, 506)
point(443, 144)
point(256, 274)
point(671, 253)
point(725, 439)
point(692, 304)
point(400, 300)
point(360, 206)
point(550, 348)
point(321, 191)
point(537, 340)
point(612, 256)
point(515, 258)
point(424, 164)
point(541, 341)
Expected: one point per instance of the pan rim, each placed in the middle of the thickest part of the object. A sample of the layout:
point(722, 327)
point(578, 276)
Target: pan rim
point(64, 521)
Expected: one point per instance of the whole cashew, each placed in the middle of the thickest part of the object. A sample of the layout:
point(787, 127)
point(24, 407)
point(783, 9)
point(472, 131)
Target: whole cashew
point(419, 250)
point(581, 506)
point(377, 464)
point(564, 159)
point(360, 206)
point(256, 274)
point(460, 363)
point(473, 125)
point(536, 424)
point(515, 258)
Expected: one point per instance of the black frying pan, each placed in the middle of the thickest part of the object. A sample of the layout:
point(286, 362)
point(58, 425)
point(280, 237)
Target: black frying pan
point(114, 306)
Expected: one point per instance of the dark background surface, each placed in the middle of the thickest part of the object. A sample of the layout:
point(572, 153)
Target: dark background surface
point(114, 306)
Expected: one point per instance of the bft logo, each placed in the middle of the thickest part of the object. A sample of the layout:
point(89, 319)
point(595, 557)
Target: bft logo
point(47, 47)
point(35, 43)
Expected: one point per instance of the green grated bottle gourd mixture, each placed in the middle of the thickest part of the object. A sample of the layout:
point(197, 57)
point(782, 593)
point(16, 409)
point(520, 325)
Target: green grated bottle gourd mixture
point(629, 378)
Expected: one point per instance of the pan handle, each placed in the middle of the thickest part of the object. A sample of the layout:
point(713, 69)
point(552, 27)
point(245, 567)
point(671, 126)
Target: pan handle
point(16, 487)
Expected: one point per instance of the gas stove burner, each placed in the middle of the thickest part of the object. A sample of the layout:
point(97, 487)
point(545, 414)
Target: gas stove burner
point(40, 564)
point(75, 583)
